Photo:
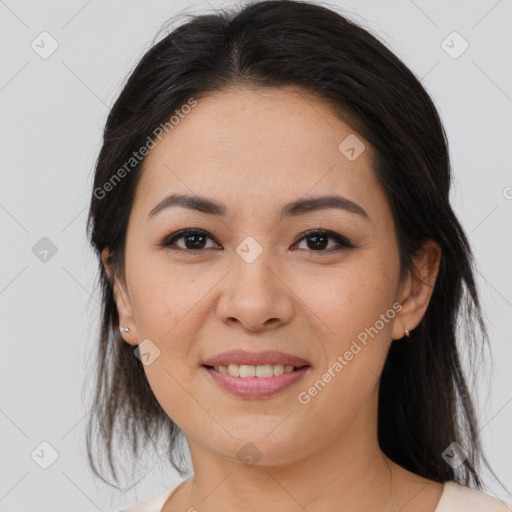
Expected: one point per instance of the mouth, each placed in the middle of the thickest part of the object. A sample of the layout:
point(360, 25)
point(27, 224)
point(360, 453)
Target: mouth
point(255, 382)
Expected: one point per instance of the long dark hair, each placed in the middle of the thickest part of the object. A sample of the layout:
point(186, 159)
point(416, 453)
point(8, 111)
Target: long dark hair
point(424, 403)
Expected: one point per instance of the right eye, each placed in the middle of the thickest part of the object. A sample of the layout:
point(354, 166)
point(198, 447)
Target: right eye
point(194, 240)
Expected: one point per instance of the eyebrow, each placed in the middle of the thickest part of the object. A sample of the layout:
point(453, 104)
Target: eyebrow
point(298, 207)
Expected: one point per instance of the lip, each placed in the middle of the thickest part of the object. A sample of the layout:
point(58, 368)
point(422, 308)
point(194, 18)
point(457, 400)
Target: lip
point(256, 359)
point(256, 387)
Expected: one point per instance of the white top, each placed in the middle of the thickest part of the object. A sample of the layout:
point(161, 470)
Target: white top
point(455, 498)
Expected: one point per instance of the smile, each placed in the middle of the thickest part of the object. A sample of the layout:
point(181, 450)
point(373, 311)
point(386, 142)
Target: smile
point(249, 381)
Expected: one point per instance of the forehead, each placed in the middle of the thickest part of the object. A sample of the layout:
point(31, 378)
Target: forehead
point(269, 146)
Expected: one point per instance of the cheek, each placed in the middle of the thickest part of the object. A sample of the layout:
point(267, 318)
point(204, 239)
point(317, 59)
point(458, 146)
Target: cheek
point(168, 309)
point(353, 309)
point(346, 301)
point(166, 300)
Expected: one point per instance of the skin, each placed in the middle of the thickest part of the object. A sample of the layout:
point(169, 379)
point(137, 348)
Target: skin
point(255, 150)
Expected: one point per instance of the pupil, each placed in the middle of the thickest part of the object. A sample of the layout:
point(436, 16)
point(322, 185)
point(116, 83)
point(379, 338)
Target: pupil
point(316, 238)
point(194, 245)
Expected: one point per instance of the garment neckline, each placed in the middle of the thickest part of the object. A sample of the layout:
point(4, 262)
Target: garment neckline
point(446, 486)
point(170, 492)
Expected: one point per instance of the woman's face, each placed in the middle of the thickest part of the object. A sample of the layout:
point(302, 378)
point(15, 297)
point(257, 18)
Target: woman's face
point(252, 279)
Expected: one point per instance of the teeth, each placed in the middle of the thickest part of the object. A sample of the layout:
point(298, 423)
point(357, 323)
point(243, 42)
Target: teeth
point(245, 370)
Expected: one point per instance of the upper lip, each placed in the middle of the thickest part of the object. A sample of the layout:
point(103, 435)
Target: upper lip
point(255, 358)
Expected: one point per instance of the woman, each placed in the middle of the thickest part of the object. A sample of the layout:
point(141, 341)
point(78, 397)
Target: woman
point(282, 272)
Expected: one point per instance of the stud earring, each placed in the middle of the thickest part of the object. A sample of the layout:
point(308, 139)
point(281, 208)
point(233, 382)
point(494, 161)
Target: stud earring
point(124, 329)
point(407, 333)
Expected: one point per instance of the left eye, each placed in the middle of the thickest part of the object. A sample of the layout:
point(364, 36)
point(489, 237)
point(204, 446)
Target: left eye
point(195, 240)
point(320, 240)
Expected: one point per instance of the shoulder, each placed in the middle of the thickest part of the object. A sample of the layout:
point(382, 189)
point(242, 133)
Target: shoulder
point(458, 498)
point(153, 504)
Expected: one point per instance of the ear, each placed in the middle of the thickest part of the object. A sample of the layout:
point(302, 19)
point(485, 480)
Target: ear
point(122, 300)
point(417, 289)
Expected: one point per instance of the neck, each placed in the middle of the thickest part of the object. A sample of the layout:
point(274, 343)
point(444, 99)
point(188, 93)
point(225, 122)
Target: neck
point(350, 470)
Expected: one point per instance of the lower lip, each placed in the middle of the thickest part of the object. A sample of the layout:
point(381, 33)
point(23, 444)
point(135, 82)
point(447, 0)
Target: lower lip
point(256, 387)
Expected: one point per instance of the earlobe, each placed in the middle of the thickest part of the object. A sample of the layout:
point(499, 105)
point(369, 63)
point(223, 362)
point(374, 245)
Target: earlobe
point(126, 323)
point(417, 293)
point(123, 304)
point(401, 327)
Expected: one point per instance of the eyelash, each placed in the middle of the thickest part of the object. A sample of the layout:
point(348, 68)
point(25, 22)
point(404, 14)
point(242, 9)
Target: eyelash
point(169, 241)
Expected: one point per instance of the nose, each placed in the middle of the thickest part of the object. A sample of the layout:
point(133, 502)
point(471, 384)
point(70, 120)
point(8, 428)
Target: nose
point(255, 296)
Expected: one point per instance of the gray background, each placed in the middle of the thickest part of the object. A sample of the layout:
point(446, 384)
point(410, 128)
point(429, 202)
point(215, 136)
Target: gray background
point(53, 111)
